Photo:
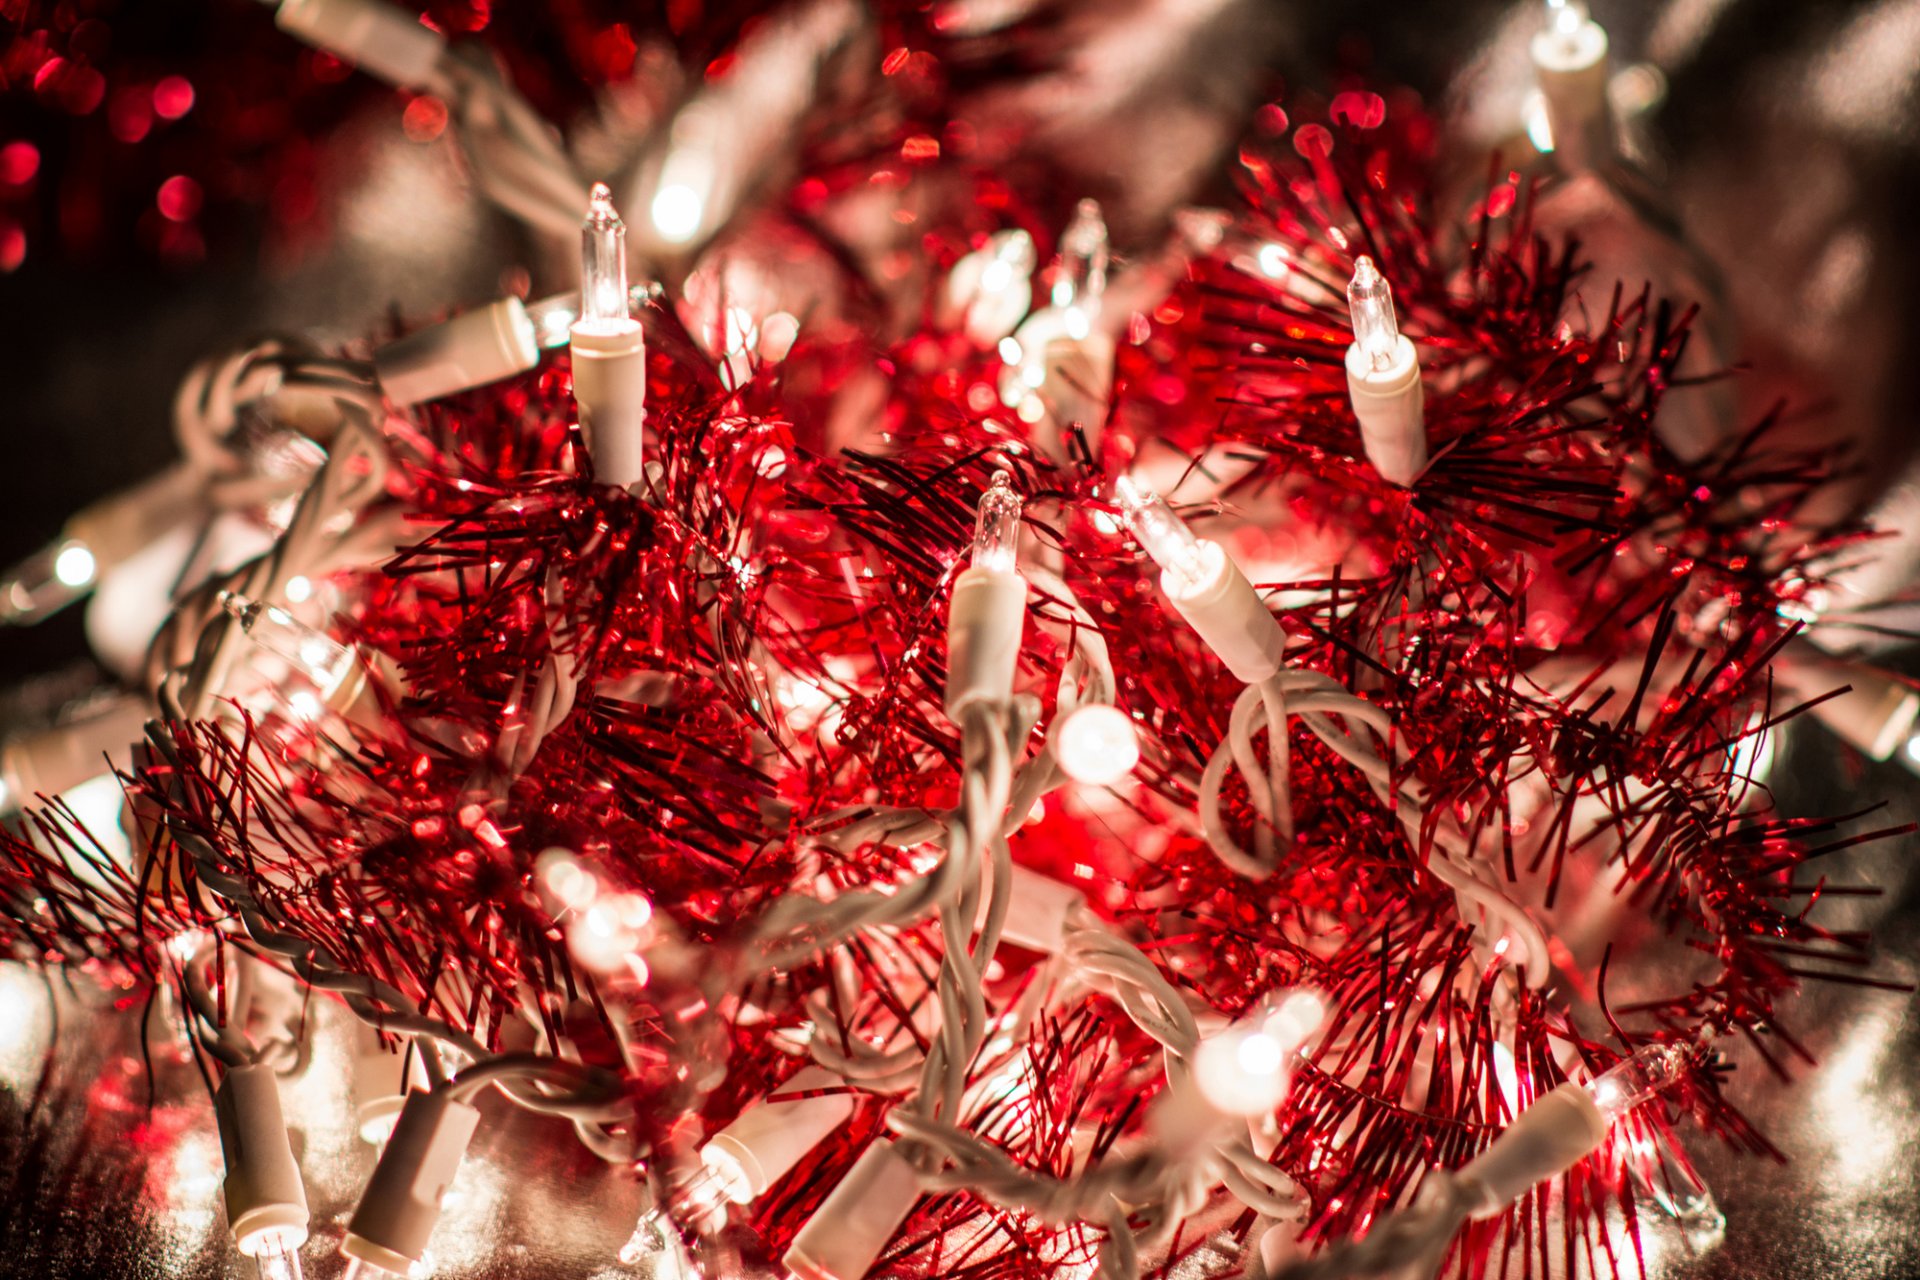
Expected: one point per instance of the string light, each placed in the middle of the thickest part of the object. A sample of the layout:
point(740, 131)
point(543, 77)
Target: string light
point(1570, 62)
point(322, 660)
point(987, 616)
point(1383, 379)
point(608, 349)
point(1204, 585)
point(265, 1197)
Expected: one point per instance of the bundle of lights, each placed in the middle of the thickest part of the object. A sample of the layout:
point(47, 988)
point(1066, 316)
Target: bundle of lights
point(1171, 789)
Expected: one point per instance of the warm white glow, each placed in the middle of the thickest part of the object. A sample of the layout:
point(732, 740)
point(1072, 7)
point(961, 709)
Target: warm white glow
point(1261, 1055)
point(996, 532)
point(603, 265)
point(1274, 261)
point(299, 590)
point(607, 936)
point(1097, 745)
point(1189, 563)
point(1370, 303)
point(74, 566)
point(677, 210)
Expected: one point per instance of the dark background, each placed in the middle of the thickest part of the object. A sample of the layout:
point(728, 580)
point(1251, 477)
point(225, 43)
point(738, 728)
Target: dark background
point(1787, 140)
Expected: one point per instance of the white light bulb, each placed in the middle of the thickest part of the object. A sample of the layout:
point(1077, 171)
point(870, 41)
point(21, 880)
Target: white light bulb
point(1370, 302)
point(1188, 562)
point(74, 566)
point(1643, 1074)
point(1096, 745)
point(676, 213)
point(276, 1254)
point(1566, 18)
point(1241, 1072)
point(607, 936)
point(603, 266)
point(1081, 275)
point(996, 534)
point(320, 658)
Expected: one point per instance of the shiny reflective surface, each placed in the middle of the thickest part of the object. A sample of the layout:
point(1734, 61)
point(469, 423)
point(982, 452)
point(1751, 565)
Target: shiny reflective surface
point(1789, 135)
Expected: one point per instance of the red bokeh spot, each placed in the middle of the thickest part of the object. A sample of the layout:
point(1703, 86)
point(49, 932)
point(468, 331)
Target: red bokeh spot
point(178, 199)
point(425, 119)
point(172, 97)
point(19, 161)
point(1361, 110)
point(13, 247)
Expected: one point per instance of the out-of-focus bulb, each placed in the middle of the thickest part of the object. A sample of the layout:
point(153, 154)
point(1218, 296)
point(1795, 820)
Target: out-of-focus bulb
point(607, 936)
point(1370, 303)
point(993, 287)
point(1096, 745)
point(1080, 278)
point(1567, 18)
point(996, 531)
point(676, 213)
point(1643, 1074)
point(1189, 563)
point(314, 654)
point(603, 266)
point(74, 565)
point(1244, 1070)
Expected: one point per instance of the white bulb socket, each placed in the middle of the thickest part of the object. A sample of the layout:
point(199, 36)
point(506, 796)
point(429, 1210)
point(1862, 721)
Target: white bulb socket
point(1546, 1140)
point(1224, 609)
point(610, 390)
point(468, 351)
point(985, 621)
point(266, 1199)
point(379, 1082)
point(1391, 407)
point(768, 1139)
point(398, 1210)
point(1570, 62)
point(383, 40)
point(845, 1235)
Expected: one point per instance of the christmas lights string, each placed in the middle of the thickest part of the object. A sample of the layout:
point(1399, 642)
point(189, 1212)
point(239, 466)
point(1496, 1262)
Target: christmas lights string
point(650, 770)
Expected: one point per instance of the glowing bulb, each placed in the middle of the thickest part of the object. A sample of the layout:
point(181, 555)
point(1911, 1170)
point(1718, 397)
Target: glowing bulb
point(728, 1176)
point(607, 936)
point(603, 266)
point(676, 211)
point(1274, 261)
point(275, 1252)
point(74, 566)
point(1241, 1072)
point(1188, 563)
point(1646, 1072)
point(320, 658)
point(1297, 1018)
point(996, 533)
point(1081, 275)
point(1370, 301)
point(1096, 745)
point(1566, 18)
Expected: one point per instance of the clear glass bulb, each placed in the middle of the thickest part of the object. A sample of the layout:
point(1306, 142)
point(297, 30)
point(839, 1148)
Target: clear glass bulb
point(1370, 302)
point(1641, 1075)
point(275, 1254)
point(314, 654)
point(603, 266)
point(1165, 535)
point(1082, 274)
point(996, 532)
